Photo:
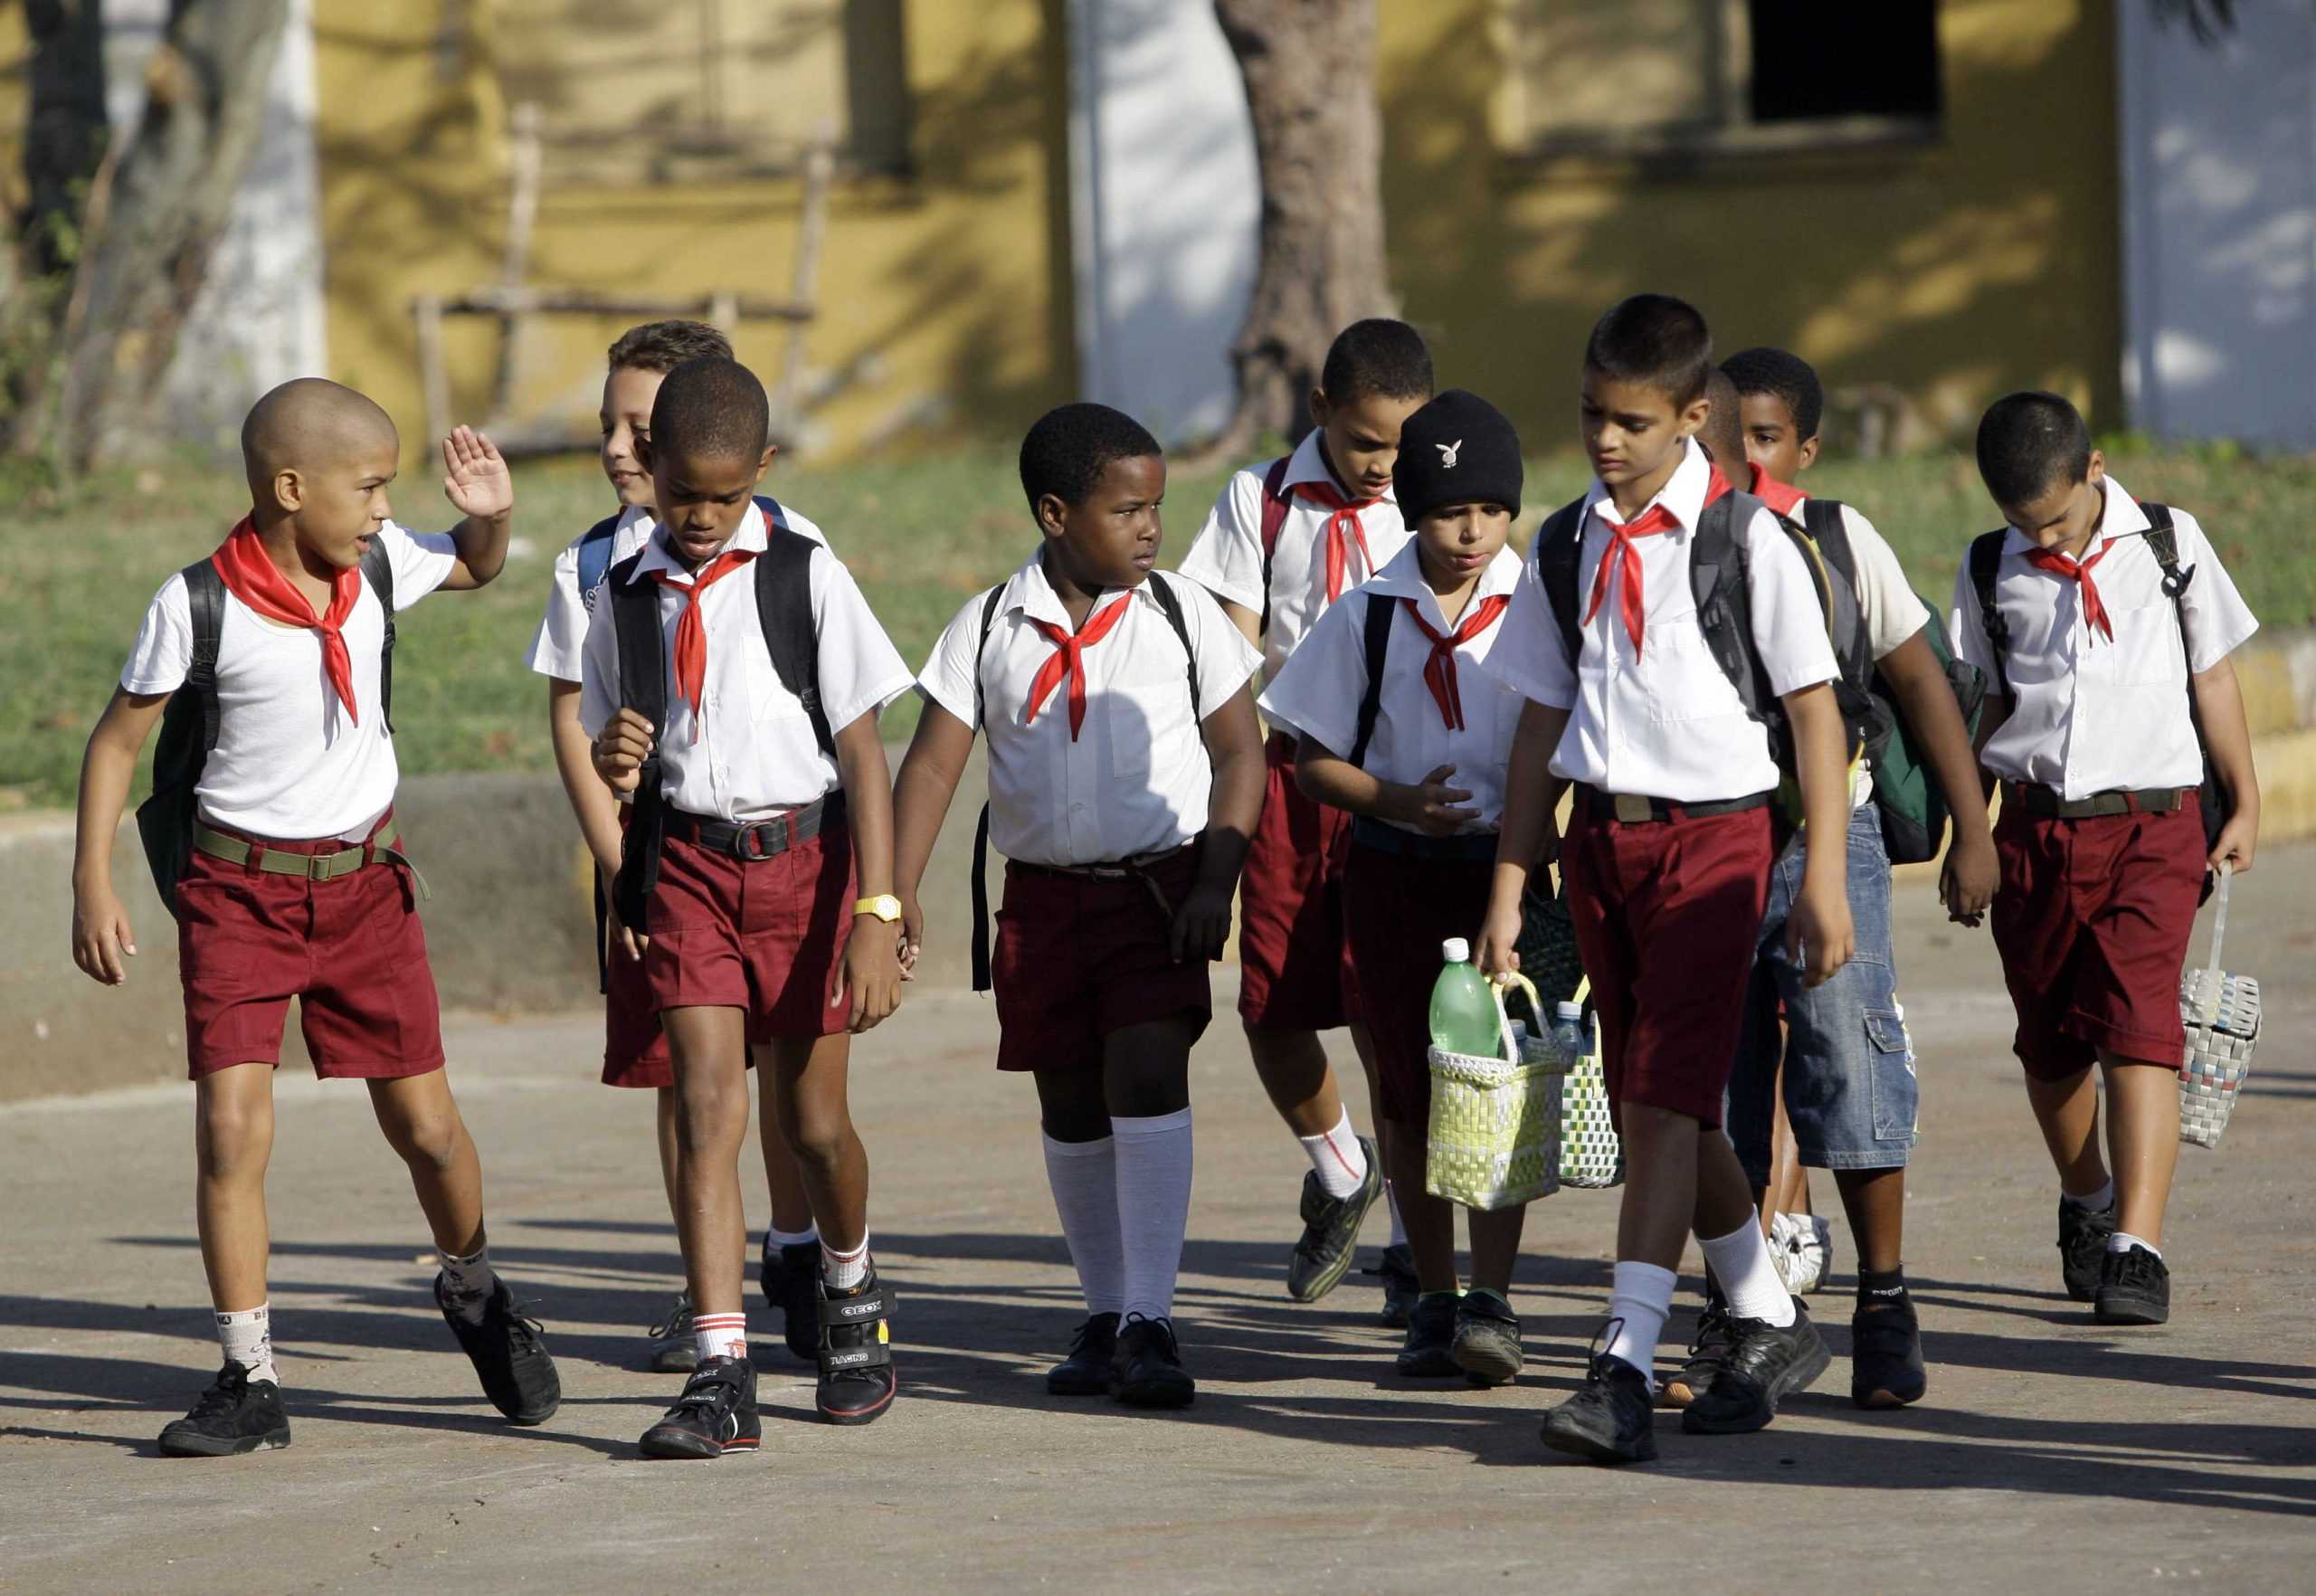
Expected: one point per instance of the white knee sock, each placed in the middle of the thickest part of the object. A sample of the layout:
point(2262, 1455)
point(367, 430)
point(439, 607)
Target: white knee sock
point(1398, 1225)
point(1153, 1207)
point(1741, 1261)
point(844, 1268)
point(720, 1335)
point(468, 1283)
point(1338, 1158)
point(1084, 1176)
point(1640, 1298)
point(248, 1340)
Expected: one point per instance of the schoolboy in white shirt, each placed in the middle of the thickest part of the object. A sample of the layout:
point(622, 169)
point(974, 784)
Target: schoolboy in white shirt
point(1413, 745)
point(1124, 775)
point(1669, 845)
point(2108, 671)
point(742, 714)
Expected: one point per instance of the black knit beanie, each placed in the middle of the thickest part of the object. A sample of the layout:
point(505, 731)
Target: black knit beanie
point(1457, 450)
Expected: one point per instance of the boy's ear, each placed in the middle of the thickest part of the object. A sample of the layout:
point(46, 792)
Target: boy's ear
point(2097, 474)
point(289, 490)
point(1693, 416)
point(763, 462)
point(1320, 409)
point(1808, 453)
point(1053, 511)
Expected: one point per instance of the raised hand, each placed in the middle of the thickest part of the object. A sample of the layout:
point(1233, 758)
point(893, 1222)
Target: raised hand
point(475, 479)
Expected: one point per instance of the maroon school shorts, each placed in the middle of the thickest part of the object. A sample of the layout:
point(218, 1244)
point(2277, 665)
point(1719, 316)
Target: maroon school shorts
point(635, 1049)
point(1397, 908)
point(1666, 915)
point(2093, 919)
point(1077, 959)
point(350, 951)
point(760, 936)
point(1295, 964)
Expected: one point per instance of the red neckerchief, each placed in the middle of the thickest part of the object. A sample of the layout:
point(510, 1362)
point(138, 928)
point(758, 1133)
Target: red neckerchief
point(1067, 659)
point(250, 575)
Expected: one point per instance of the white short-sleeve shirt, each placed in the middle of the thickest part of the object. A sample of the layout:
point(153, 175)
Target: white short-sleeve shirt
point(750, 753)
point(1227, 557)
point(561, 635)
point(1136, 778)
point(289, 762)
point(1664, 723)
point(2092, 714)
point(1321, 688)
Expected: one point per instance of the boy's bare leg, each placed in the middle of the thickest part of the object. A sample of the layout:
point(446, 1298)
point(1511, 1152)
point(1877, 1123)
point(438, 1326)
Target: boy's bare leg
point(710, 1046)
point(1293, 1067)
point(791, 1202)
point(420, 1120)
point(233, 1139)
point(2143, 1135)
point(805, 1113)
point(666, 1128)
point(2069, 1113)
point(1496, 1246)
point(1875, 1202)
point(1430, 1221)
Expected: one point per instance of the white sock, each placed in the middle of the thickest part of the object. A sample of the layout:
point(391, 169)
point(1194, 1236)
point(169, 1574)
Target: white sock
point(1640, 1298)
point(1338, 1158)
point(1084, 1176)
point(1398, 1225)
point(777, 1237)
point(720, 1335)
point(1741, 1261)
point(1153, 1207)
point(2096, 1202)
point(2121, 1242)
point(469, 1282)
point(845, 1269)
point(248, 1340)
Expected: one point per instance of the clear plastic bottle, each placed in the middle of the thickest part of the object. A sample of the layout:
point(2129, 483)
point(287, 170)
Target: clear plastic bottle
point(1568, 1033)
point(1463, 1007)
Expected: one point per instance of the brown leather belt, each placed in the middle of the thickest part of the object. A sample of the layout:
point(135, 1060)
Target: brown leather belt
point(2044, 803)
point(1633, 810)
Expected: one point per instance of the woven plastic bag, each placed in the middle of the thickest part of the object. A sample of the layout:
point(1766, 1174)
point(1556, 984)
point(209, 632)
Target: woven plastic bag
point(1591, 1153)
point(1494, 1140)
point(2221, 1014)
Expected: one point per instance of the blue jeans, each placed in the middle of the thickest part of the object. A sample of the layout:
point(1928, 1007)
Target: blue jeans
point(1850, 1091)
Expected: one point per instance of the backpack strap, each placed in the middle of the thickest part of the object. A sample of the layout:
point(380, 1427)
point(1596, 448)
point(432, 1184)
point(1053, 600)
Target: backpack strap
point(1170, 603)
point(1380, 609)
point(1720, 580)
point(1823, 521)
point(783, 583)
point(989, 608)
point(1824, 542)
point(644, 688)
point(1986, 566)
point(596, 555)
point(204, 595)
point(378, 570)
point(1274, 508)
point(2163, 543)
point(1559, 545)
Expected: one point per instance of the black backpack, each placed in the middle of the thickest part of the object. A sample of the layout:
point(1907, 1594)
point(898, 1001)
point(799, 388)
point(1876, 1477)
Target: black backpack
point(783, 594)
point(1721, 581)
point(1170, 603)
point(189, 724)
point(2163, 542)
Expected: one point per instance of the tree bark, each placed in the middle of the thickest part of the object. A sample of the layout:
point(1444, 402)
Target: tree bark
point(1309, 66)
point(154, 217)
point(66, 129)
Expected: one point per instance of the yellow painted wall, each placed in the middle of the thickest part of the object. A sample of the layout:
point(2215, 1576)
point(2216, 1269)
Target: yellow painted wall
point(1984, 262)
point(955, 277)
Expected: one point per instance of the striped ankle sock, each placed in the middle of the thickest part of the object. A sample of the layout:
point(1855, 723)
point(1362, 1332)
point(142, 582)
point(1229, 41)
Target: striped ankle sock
point(720, 1335)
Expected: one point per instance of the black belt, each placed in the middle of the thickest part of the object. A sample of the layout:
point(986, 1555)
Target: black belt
point(2047, 803)
point(1631, 810)
point(1388, 839)
point(759, 840)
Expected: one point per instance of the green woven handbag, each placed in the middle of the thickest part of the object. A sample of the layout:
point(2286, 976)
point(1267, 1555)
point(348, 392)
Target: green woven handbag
point(1492, 1140)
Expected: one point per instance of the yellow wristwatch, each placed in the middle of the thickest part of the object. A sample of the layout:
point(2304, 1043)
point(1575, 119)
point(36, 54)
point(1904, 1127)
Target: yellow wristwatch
point(884, 906)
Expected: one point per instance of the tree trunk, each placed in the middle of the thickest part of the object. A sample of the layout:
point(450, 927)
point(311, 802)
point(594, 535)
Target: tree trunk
point(1310, 71)
point(65, 132)
point(153, 218)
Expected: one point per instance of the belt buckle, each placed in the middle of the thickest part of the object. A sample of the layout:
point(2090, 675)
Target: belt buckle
point(1632, 809)
point(318, 867)
point(741, 844)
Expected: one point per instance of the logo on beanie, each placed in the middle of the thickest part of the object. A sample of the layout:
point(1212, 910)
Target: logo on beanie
point(1447, 454)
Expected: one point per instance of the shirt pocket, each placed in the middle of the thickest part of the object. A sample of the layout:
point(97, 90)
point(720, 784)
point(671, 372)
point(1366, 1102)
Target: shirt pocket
point(1678, 672)
point(2147, 645)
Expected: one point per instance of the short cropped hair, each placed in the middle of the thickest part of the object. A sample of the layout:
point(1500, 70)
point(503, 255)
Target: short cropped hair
point(1071, 445)
point(1723, 433)
point(1785, 376)
point(663, 346)
point(1380, 357)
point(712, 407)
point(1656, 339)
point(2030, 442)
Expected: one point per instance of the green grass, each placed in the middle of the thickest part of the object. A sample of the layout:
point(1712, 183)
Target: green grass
point(922, 537)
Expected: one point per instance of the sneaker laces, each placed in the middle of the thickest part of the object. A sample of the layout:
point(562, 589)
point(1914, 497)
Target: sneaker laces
point(1716, 1330)
point(225, 1393)
point(1162, 1330)
point(678, 1319)
point(2138, 1267)
point(1085, 1333)
point(524, 1334)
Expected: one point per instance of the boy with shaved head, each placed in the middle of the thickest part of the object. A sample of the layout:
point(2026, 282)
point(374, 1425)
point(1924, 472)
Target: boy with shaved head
point(268, 666)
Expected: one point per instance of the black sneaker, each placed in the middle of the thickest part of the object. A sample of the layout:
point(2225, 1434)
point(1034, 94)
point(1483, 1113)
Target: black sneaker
point(1331, 1230)
point(1150, 1373)
point(675, 1347)
point(1428, 1353)
point(858, 1382)
point(2134, 1288)
point(1487, 1346)
point(235, 1415)
point(1709, 1351)
point(790, 1276)
point(717, 1414)
point(1611, 1418)
point(1397, 1267)
point(1885, 1367)
point(2083, 1246)
point(1764, 1365)
point(509, 1352)
point(1091, 1367)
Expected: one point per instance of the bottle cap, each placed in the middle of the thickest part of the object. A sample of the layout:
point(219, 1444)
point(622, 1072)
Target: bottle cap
point(1456, 950)
point(1569, 1012)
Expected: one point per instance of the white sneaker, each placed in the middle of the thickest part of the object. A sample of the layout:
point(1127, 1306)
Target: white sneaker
point(1803, 1246)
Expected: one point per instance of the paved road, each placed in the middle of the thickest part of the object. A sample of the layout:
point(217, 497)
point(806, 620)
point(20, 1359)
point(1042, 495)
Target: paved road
point(2052, 1454)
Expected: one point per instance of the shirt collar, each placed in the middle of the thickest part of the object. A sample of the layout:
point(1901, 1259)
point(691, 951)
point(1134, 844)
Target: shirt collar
point(1682, 494)
point(750, 537)
point(1308, 463)
point(1031, 592)
point(1401, 578)
point(1782, 496)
